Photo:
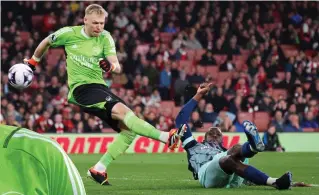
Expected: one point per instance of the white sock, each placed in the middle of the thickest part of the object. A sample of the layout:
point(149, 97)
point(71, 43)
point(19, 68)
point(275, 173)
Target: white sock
point(99, 167)
point(252, 149)
point(164, 136)
point(271, 180)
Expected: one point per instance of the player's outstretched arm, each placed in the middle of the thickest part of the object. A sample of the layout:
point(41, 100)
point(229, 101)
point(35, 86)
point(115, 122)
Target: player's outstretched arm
point(185, 113)
point(38, 53)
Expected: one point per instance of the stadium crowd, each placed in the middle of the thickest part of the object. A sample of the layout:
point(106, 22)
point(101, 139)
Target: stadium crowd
point(167, 49)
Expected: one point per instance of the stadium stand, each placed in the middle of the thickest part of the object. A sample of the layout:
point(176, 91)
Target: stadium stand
point(253, 46)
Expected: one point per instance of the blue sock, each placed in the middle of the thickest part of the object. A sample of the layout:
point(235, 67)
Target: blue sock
point(254, 175)
point(183, 117)
point(246, 151)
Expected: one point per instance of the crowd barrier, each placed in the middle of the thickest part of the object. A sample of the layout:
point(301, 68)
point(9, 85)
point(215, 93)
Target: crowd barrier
point(98, 143)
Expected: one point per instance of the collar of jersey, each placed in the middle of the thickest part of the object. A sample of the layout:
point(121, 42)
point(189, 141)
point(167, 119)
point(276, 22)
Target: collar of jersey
point(84, 34)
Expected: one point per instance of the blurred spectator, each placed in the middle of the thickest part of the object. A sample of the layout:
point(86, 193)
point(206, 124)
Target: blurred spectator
point(278, 122)
point(144, 89)
point(209, 116)
point(195, 121)
point(58, 126)
point(170, 28)
point(228, 65)
point(165, 82)
point(293, 125)
point(238, 124)
point(192, 42)
point(207, 59)
point(271, 140)
point(92, 126)
point(309, 121)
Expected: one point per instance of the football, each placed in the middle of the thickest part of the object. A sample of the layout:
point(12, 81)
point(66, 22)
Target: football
point(20, 76)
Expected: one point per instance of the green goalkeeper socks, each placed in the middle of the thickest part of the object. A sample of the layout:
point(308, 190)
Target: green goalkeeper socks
point(119, 146)
point(141, 127)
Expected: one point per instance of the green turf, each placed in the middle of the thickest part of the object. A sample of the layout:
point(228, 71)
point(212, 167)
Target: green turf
point(167, 174)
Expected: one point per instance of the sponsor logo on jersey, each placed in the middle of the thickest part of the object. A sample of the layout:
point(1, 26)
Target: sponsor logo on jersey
point(85, 61)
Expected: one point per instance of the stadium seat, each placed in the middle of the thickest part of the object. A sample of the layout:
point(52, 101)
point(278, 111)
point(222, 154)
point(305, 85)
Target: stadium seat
point(186, 64)
point(289, 50)
point(191, 53)
point(239, 63)
point(25, 36)
point(213, 70)
point(108, 130)
point(222, 76)
point(167, 104)
point(220, 59)
point(245, 116)
point(278, 92)
point(281, 75)
point(37, 21)
point(261, 119)
point(176, 111)
point(199, 53)
point(308, 129)
point(54, 55)
point(205, 127)
point(166, 37)
point(270, 26)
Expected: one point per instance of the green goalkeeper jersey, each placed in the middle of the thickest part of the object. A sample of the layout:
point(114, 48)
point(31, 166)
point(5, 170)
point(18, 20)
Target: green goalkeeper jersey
point(83, 54)
point(32, 164)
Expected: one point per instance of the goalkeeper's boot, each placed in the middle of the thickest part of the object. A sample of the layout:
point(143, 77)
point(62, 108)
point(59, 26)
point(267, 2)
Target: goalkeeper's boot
point(99, 177)
point(252, 134)
point(284, 182)
point(175, 135)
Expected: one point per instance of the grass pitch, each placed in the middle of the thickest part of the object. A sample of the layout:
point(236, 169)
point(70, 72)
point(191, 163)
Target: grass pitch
point(167, 174)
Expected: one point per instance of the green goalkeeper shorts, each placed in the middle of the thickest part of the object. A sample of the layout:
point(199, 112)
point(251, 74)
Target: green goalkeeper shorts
point(33, 164)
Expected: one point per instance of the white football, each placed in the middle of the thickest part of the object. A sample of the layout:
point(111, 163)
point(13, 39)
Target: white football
point(20, 76)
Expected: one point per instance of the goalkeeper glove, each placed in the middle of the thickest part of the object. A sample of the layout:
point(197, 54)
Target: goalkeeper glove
point(32, 63)
point(105, 65)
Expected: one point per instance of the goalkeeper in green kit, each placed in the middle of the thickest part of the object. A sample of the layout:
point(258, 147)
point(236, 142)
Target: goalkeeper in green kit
point(31, 163)
point(91, 50)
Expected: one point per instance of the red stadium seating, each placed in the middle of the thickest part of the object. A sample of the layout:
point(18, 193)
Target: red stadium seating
point(205, 127)
point(308, 129)
point(278, 92)
point(166, 37)
point(213, 70)
point(25, 36)
point(199, 53)
point(261, 119)
point(220, 59)
point(176, 110)
point(222, 76)
point(191, 53)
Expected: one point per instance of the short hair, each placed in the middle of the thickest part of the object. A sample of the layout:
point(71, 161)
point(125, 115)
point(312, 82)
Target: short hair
point(95, 8)
point(212, 132)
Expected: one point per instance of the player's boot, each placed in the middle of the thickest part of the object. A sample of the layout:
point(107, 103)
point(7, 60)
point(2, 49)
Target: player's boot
point(252, 134)
point(175, 135)
point(99, 177)
point(284, 182)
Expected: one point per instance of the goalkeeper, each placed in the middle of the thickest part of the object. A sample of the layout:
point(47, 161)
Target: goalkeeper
point(216, 167)
point(90, 50)
point(34, 164)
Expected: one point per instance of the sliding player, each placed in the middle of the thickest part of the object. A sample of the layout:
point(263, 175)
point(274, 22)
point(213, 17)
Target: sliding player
point(216, 167)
